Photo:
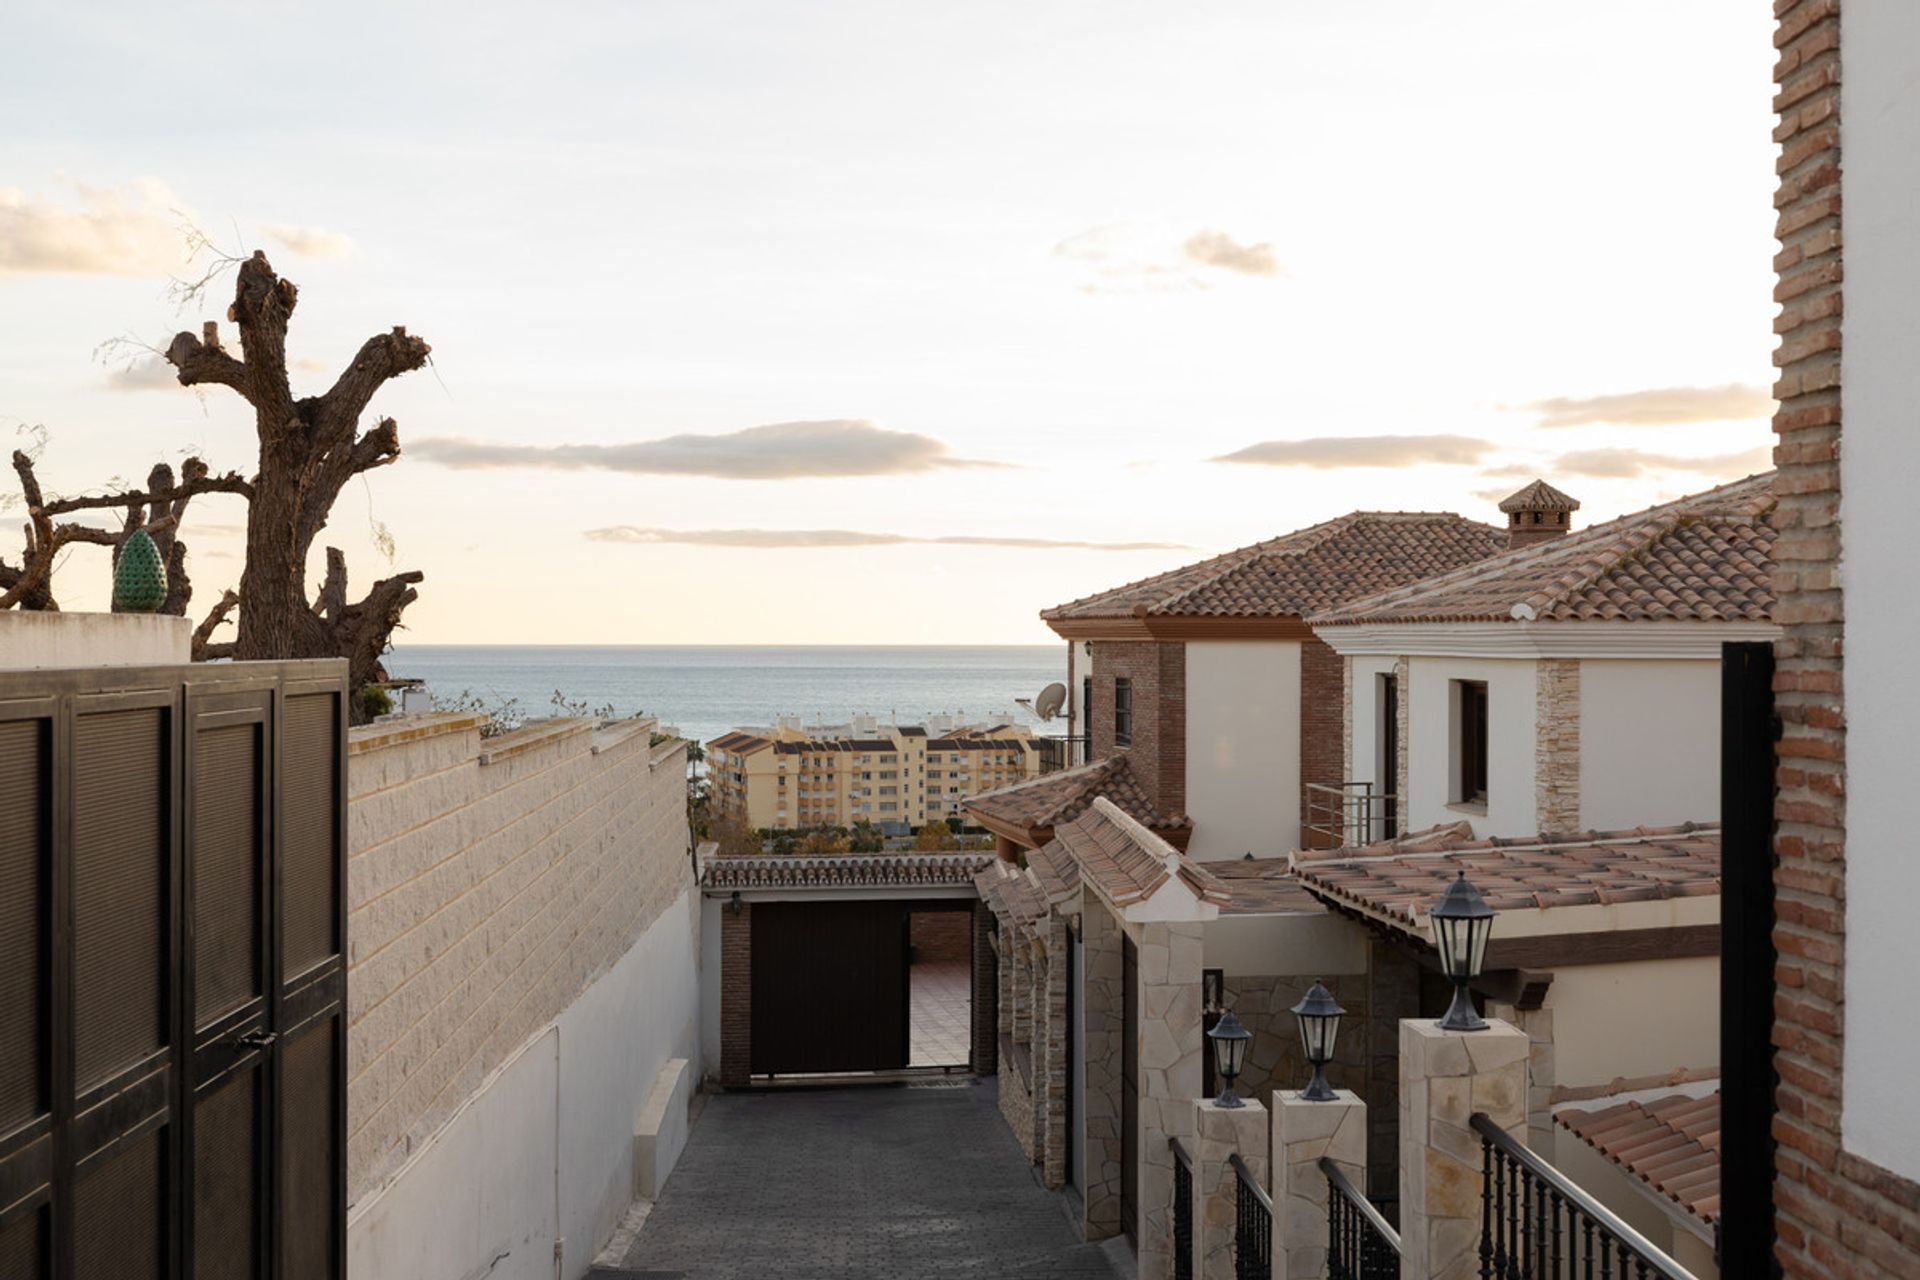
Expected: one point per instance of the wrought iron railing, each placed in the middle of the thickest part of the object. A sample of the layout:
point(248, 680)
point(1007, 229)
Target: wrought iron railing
point(1252, 1225)
point(1361, 1245)
point(1182, 1211)
point(1061, 751)
point(1537, 1224)
point(1347, 814)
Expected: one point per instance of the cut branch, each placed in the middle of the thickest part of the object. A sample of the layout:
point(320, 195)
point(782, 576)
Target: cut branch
point(202, 634)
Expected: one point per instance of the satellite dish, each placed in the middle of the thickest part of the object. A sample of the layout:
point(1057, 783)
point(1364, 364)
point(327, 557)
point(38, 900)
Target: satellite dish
point(1051, 699)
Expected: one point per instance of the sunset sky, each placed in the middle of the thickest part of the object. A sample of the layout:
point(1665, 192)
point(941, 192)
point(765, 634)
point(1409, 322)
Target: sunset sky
point(895, 323)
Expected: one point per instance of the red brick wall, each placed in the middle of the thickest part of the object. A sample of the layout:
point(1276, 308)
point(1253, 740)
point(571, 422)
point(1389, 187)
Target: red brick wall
point(941, 935)
point(1158, 670)
point(1323, 678)
point(1837, 1214)
point(736, 994)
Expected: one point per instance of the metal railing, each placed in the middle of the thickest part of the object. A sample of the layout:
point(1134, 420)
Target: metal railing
point(1061, 751)
point(1182, 1211)
point(1536, 1223)
point(1348, 814)
point(1252, 1225)
point(1361, 1245)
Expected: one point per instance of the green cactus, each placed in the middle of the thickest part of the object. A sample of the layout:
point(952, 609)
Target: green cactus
point(139, 579)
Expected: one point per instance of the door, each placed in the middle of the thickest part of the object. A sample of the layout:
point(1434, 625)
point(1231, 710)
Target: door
point(829, 983)
point(1129, 1090)
point(1070, 1131)
point(1389, 770)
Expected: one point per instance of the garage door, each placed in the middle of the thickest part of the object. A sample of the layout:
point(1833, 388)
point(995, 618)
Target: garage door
point(829, 986)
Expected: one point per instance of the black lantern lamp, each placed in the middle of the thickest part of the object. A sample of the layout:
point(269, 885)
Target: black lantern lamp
point(1229, 1050)
point(1319, 1015)
point(1461, 922)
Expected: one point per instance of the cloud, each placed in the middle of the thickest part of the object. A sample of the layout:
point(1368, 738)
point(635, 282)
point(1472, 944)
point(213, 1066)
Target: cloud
point(778, 451)
point(1627, 464)
point(150, 374)
point(124, 231)
point(1659, 407)
point(311, 242)
point(1218, 249)
point(1329, 452)
point(789, 538)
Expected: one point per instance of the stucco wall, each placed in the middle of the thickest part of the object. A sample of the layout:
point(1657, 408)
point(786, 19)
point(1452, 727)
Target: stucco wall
point(1671, 1006)
point(1511, 699)
point(521, 945)
point(32, 638)
point(1649, 743)
point(1243, 747)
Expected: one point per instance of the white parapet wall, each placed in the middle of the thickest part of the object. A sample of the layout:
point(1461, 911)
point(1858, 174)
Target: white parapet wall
point(523, 963)
point(31, 638)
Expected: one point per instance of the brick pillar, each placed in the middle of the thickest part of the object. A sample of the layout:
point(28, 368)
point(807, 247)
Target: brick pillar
point(1169, 1050)
point(736, 994)
point(1446, 1076)
point(983, 1012)
point(1218, 1134)
point(1102, 986)
point(1303, 1132)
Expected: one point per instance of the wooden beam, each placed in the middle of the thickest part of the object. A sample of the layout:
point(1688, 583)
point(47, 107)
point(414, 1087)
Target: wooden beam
point(1614, 946)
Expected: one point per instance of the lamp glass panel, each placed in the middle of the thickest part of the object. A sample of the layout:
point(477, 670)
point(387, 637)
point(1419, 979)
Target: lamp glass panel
point(1317, 1035)
point(1231, 1051)
point(1482, 929)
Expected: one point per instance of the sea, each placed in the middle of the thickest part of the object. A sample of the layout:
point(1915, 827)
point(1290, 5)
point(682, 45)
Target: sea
point(702, 691)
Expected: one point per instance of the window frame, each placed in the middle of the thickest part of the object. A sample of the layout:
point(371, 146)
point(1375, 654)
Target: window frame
point(1470, 734)
point(1122, 711)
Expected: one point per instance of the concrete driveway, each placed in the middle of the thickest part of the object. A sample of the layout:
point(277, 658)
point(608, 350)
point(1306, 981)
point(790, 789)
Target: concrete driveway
point(892, 1183)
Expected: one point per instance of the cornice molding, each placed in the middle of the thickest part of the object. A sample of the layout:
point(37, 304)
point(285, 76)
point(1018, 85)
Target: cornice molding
point(1646, 640)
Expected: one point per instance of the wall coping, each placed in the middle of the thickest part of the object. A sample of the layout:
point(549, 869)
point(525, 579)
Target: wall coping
point(392, 733)
point(535, 734)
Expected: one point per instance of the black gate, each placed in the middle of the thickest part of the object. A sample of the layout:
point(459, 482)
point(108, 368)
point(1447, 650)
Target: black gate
point(1129, 1089)
point(172, 977)
point(830, 987)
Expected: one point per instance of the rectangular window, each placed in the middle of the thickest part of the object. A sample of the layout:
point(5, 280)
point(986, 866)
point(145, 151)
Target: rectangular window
point(1470, 740)
point(1122, 712)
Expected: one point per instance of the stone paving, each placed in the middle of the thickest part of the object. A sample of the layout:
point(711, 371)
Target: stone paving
point(868, 1183)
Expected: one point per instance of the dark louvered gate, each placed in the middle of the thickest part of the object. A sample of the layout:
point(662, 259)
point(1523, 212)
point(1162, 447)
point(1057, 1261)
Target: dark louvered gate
point(172, 972)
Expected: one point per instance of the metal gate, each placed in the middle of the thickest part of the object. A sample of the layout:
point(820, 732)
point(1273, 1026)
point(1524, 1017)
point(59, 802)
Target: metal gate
point(172, 976)
point(830, 987)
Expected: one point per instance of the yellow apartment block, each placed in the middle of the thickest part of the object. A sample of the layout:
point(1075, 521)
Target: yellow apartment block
point(900, 774)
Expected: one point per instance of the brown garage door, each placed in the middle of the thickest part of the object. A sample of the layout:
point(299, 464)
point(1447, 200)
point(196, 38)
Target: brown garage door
point(829, 986)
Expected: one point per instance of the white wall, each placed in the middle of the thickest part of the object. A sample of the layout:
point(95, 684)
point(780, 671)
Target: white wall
point(1243, 747)
point(1880, 526)
point(1511, 704)
point(31, 638)
point(1613, 1021)
point(544, 1149)
point(1364, 688)
point(1649, 743)
point(1258, 946)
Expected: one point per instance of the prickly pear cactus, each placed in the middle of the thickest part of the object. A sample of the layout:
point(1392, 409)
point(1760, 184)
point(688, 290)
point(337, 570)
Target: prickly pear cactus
point(139, 580)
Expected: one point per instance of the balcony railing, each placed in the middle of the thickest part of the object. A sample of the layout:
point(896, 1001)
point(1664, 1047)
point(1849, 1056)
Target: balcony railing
point(1348, 814)
point(1537, 1223)
point(1252, 1225)
point(1182, 1211)
point(1061, 751)
point(1361, 1245)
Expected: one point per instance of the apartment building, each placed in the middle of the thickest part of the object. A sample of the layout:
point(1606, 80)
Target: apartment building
point(897, 777)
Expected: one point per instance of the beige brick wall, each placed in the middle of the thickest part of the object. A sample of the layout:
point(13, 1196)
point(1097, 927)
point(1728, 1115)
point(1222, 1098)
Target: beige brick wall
point(490, 881)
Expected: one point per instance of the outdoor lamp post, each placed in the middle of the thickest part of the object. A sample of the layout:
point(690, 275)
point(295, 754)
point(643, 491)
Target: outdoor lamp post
point(1319, 1015)
point(1229, 1049)
point(1461, 922)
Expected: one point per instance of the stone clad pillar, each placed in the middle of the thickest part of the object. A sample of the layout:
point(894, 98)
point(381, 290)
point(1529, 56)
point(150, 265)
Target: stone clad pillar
point(1101, 987)
point(1170, 1044)
point(1303, 1132)
point(1446, 1076)
point(1218, 1134)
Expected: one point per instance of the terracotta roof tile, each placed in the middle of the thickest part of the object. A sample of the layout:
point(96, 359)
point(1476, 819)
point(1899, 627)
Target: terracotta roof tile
point(1672, 1144)
point(1539, 496)
point(1054, 798)
point(786, 871)
point(1127, 861)
point(1401, 880)
point(1262, 886)
point(1302, 572)
point(1706, 558)
point(1055, 871)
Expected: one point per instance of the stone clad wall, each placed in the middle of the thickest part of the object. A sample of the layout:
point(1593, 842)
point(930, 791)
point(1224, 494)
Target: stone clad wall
point(1556, 749)
point(490, 883)
point(1275, 1058)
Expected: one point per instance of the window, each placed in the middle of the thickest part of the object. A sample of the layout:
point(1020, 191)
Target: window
point(1122, 712)
point(1470, 740)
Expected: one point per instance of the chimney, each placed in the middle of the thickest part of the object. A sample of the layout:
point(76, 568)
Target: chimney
point(1538, 513)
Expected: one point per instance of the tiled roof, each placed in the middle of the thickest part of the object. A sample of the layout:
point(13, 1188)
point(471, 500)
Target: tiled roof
point(1539, 496)
point(1401, 880)
point(1011, 892)
point(1129, 862)
point(1672, 1144)
point(1054, 798)
point(782, 871)
point(1262, 886)
point(1303, 572)
point(1705, 558)
point(741, 743)
point(1054, 870)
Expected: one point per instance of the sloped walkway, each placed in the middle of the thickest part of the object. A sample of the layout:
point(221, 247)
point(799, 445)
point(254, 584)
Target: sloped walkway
point(871, 1183)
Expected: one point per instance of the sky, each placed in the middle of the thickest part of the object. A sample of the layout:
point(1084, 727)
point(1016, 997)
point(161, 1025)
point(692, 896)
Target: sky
point(883, 323)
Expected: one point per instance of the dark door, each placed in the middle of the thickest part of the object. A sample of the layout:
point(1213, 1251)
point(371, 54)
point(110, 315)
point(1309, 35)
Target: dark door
point(1071, 1131)
point(1389, 758)
point(1129, 1089)
point(829, 987)
point(142, 1108)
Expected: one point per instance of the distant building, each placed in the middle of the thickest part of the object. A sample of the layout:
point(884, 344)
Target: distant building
point(897, 777)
